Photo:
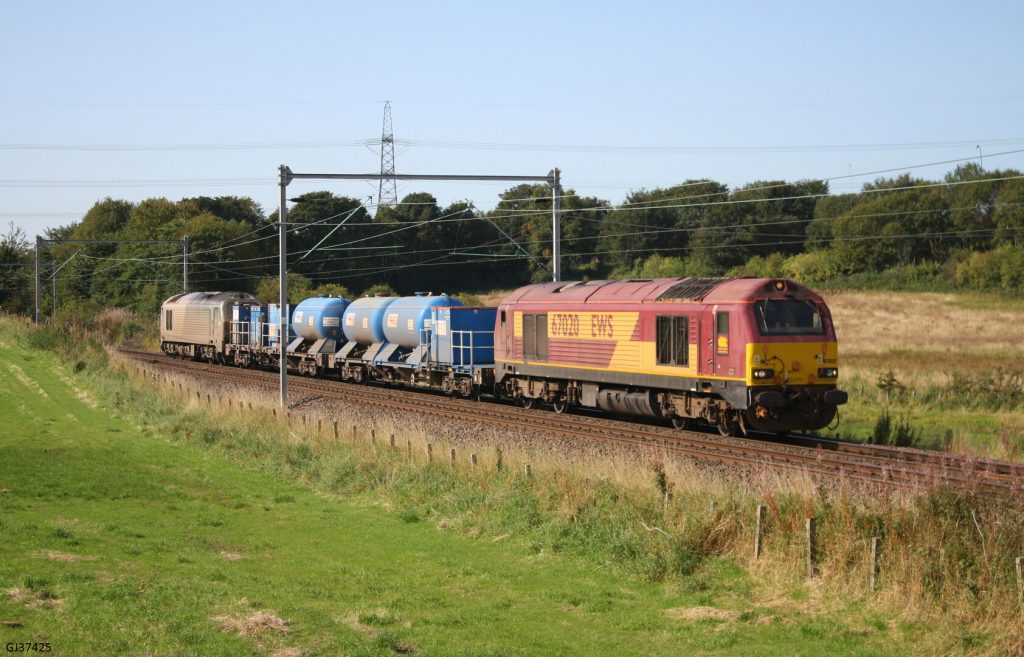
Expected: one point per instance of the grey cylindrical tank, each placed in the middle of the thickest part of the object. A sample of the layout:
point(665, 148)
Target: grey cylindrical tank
point(364, 319)
point(408, 316)
point(319, 317)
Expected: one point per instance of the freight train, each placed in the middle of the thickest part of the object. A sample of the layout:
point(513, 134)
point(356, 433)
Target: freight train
point(739, 354)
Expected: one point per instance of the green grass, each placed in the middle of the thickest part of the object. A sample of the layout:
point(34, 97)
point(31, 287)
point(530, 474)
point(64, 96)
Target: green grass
point(156, 506)
point(942, 418)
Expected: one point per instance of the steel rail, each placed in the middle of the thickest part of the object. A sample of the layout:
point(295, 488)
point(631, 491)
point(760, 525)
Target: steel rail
point(828, 459)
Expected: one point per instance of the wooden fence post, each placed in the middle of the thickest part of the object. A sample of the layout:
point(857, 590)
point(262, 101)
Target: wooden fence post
point(391, 441)
point(353, 432)
point(373, 437)
point(472, 459)
point(335, 424)
point(408, 447)
point(812, 547)
point(876, 545)
point(1020, 580)
point(528, 470)
point(430, 452)
point(451, 459)
point(758, 532)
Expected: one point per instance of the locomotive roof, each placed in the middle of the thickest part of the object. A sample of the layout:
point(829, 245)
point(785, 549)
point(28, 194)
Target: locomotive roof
point(657, 290)
point(210, 298)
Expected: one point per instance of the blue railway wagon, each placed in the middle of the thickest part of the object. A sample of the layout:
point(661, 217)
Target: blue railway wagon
point(408, 317)
point(462, 337)
point(319, 318)
point(257, 334)
point(364, 319)
point(274, 324)
point(241, 323)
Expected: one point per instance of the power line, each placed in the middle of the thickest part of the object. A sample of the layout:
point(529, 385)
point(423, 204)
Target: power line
point(507, 146)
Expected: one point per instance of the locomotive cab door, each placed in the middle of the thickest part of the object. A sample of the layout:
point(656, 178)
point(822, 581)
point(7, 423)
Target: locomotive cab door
point(716, 349)
point(706, 343)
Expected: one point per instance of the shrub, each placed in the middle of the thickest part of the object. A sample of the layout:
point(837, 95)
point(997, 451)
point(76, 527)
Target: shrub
point(769, 266)
point(380, 288)
point(812, 267)
point(1001, 269)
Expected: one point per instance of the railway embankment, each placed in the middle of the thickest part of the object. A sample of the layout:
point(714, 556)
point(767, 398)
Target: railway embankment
point(566, 541)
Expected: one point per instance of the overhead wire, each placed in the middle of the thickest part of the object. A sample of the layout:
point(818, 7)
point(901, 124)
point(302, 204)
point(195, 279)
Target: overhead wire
point(628, 206)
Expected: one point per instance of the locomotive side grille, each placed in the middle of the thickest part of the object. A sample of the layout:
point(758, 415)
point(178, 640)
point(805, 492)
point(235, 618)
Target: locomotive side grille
point(691, 288)
point(197, 321)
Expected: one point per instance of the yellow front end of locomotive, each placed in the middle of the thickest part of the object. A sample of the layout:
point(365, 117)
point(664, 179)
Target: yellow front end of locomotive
point(792, 363)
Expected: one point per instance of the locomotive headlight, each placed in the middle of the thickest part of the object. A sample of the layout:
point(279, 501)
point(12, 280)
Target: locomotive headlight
point(828, 372)
point(763, 373)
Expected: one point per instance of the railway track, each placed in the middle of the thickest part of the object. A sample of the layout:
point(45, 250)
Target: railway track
point(826, 460)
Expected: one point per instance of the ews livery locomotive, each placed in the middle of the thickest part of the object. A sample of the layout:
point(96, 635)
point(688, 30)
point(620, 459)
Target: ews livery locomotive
point(738, 353)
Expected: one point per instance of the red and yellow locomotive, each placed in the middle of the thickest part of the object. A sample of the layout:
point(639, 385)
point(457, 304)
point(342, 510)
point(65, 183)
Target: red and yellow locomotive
point(739, 353)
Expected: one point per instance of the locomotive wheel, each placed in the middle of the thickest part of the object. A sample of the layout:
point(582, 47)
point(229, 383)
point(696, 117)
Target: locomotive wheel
point(730, 425)
point(559, 405)
point(680, 422)
point(529, 402)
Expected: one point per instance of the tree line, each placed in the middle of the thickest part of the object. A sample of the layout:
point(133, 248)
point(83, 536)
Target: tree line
point(966, 230)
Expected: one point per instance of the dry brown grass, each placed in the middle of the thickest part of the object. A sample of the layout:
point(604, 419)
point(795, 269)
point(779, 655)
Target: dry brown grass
point(493, 298)
point(691, 614)
point(33, 599)
point(53, 555)
point(923, 335)
point(255, 625)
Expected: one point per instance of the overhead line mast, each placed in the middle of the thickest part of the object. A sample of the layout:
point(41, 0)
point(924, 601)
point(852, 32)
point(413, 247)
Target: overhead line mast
point(387, 194)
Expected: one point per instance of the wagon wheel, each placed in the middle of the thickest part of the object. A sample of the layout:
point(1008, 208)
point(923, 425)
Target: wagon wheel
point(559, 405)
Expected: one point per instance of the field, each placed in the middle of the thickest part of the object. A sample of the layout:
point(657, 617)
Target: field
point(137, 522)
point(122, 539)
point(956, 364)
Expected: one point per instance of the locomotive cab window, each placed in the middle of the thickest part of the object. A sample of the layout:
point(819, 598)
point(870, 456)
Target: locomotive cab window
point(722, 333)
point(788, 317)
point(673, 339)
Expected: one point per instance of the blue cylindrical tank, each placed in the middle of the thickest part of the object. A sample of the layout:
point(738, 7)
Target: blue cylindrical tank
point(408, 316)
point(319, 317)
point(364, 319)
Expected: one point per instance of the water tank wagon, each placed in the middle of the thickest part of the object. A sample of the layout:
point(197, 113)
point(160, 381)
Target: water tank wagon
point(408, 316)
point(317, 318)
point(364, 319)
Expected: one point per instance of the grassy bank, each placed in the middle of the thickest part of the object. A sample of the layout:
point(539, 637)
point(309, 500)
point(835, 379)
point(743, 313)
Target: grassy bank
point(154, 525)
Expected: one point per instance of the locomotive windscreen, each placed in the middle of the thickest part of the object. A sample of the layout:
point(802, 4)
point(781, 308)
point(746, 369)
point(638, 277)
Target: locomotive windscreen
point(788, 317)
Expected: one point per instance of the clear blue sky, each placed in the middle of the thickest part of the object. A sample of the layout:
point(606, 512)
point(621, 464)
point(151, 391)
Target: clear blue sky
point(736, 92)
